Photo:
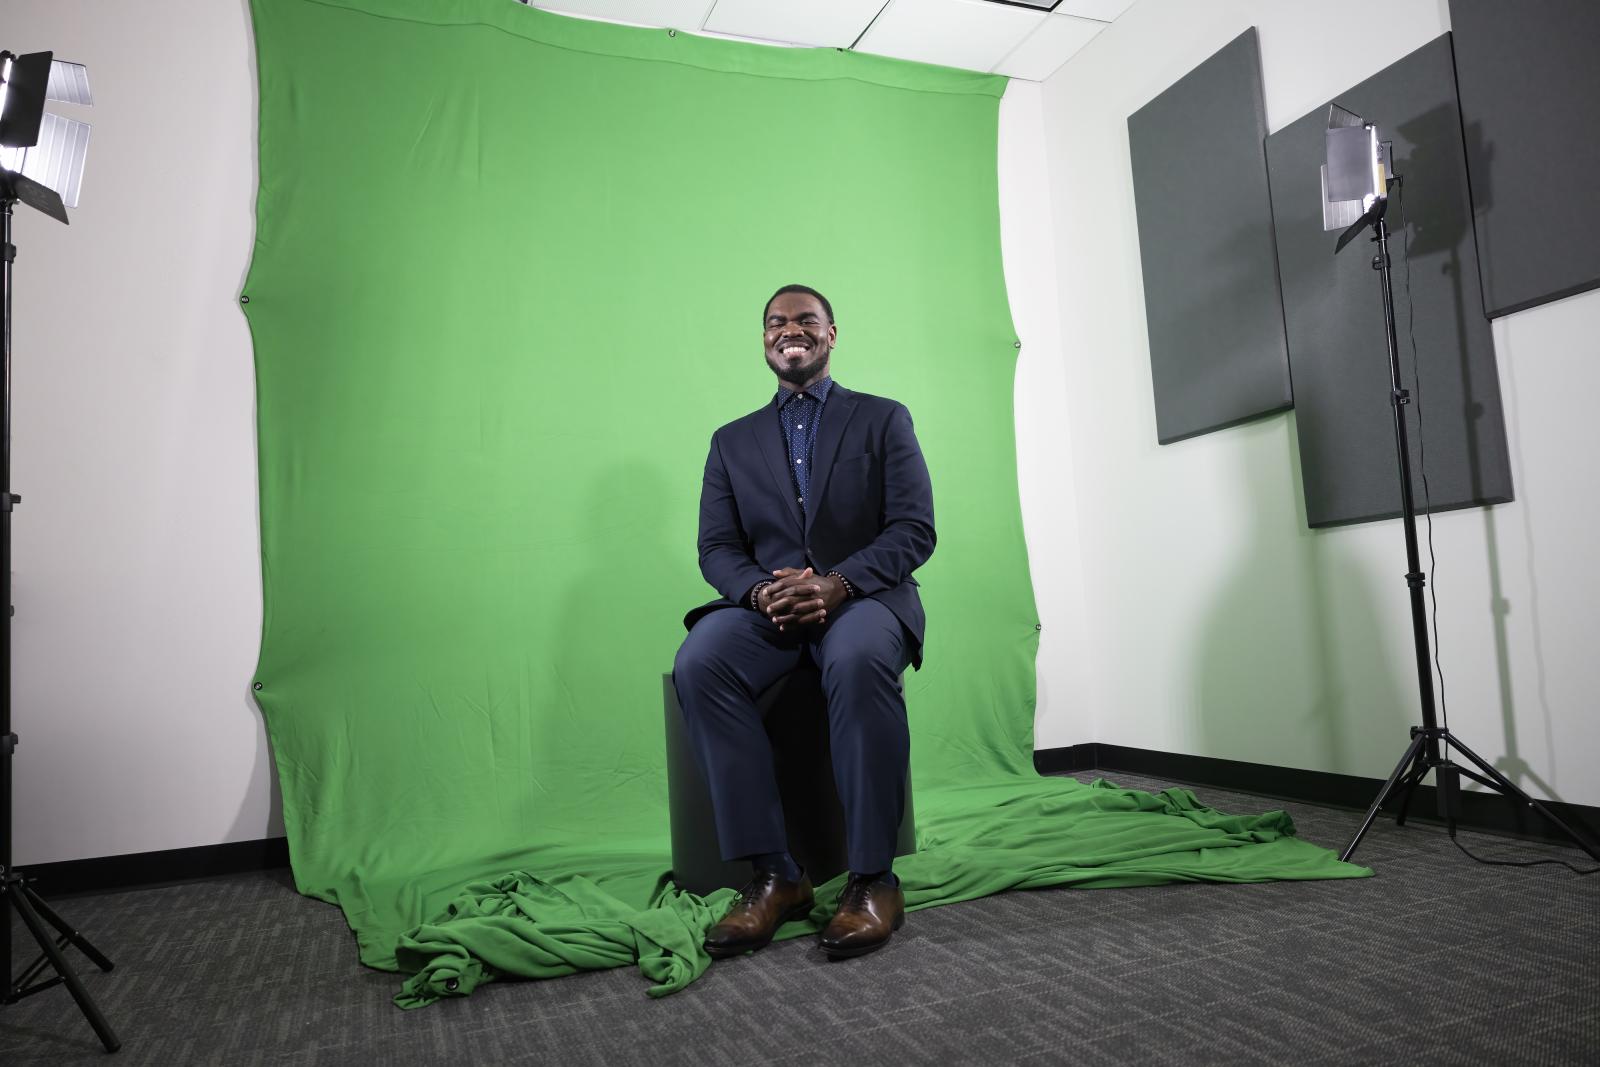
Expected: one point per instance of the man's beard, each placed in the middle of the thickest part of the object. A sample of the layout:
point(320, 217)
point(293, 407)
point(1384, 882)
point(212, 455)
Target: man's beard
point(799, 373)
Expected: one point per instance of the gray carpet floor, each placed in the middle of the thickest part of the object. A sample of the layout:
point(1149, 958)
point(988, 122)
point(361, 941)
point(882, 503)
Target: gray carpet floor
point(1438, 959)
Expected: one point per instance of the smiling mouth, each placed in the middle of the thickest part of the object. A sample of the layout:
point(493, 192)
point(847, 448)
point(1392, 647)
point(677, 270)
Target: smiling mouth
point(793, 348)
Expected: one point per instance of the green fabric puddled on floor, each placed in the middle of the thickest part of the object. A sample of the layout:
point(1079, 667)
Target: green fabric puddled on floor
point(1006, 834)
point(523, 925)
point(507, 279)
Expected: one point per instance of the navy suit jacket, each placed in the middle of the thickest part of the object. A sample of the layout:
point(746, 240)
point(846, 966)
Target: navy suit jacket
point(870, 515)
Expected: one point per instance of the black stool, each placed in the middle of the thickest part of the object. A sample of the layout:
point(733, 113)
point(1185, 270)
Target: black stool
point(795, 713)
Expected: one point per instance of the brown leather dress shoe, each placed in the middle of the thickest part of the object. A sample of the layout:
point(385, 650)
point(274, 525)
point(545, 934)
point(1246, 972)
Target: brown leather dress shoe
point(763, 905)
point(870, 911)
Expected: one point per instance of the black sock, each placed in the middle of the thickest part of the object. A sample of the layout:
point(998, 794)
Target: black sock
point(887, 877)
point(780, 862)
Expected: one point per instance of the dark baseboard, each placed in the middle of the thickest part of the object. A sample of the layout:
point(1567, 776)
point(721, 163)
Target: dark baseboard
point(156, 868)
point(1484, 811)
point(1479, 811)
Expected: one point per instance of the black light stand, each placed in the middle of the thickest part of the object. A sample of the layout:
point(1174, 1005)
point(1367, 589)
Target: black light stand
point(14, 889)
point(1430, 743)
point(25, 83)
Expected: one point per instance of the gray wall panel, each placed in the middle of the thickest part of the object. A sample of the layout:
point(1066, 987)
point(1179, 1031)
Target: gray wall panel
point(1529, 77)
point(1217, 350)
point(1333, 310)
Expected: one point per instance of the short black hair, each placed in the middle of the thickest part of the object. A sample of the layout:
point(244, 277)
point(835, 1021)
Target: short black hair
point(827, 307)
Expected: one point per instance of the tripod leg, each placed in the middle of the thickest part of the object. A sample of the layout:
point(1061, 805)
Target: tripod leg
point(1408, 788)
point(73, 937)
point(86, 1004)
point(1510, 789)
point(1383, 794)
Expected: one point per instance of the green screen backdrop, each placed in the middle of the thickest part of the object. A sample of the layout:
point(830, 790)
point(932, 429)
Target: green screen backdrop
point(508, 277)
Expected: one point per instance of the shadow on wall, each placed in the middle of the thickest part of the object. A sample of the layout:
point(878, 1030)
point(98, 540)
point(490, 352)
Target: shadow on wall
point(247, 824)
point(1512, 764)
point(1440, 251)
point(1292, 669)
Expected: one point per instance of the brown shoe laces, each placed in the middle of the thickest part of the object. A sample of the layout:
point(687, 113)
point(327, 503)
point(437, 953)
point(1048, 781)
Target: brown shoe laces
point(753, 888)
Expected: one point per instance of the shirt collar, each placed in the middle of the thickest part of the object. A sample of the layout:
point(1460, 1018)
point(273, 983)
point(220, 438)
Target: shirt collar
point(818, 391)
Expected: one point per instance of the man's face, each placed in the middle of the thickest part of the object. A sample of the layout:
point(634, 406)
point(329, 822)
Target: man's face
point(798, 338)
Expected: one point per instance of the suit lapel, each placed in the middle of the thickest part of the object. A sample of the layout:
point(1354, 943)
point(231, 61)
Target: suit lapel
point(767, 431)
point(829, 433)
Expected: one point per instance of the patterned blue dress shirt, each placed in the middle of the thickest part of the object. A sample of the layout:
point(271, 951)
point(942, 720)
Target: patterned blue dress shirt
point(799, 411)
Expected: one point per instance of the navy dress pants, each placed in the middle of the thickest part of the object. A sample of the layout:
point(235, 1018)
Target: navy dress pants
point(732, 655)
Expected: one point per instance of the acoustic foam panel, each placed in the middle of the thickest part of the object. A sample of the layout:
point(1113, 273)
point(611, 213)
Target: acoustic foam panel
point(1530, 104)
point(1215, 317)
point(1333, 310)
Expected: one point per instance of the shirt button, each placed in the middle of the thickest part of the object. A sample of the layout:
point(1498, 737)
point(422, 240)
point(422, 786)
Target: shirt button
point(800, 426)
point(798, 461)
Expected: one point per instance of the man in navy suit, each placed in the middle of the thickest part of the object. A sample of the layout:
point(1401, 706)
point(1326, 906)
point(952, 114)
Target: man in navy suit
point(815, 510)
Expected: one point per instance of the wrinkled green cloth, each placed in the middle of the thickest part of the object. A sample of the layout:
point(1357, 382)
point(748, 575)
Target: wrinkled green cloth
point(506, 281)
point(523, 925)
point(975, 840)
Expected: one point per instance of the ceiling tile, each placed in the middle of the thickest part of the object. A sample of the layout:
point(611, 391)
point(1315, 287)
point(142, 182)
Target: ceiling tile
point(1104, 10)
point(746, 39)
point(1047, 47)
point(677, 14)
point(956, 33)
point(830, 23)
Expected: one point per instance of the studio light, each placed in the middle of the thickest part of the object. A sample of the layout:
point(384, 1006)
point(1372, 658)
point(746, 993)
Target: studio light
point(1355, 176)
point(42, 154)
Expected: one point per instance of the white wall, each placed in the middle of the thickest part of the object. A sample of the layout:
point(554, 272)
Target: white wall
point(136, 567)
point(1217, 623)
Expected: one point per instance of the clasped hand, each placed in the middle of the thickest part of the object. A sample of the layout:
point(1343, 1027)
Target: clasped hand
point(800, 597)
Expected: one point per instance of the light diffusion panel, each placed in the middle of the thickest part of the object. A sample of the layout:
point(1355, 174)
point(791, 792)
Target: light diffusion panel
point(1215, 318)
point(1529, 76)
point(1333, 309)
